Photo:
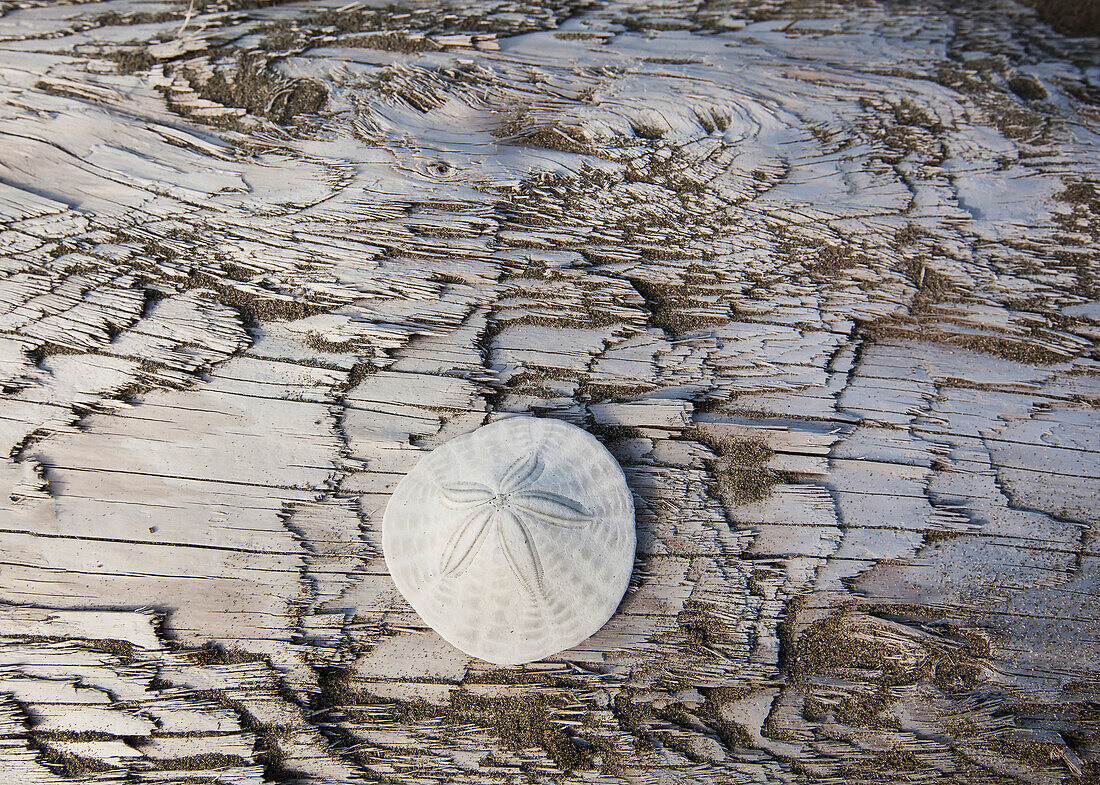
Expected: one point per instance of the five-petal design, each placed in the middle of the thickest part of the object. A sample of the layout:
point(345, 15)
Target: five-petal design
point(507, 511)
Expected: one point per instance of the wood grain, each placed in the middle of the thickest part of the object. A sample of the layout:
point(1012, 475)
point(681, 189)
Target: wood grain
point(822, 276)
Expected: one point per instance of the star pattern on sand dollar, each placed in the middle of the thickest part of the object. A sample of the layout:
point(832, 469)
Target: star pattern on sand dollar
point(507, 511)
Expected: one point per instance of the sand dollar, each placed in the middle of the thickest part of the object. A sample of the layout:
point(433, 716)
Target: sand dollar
point(515, 541)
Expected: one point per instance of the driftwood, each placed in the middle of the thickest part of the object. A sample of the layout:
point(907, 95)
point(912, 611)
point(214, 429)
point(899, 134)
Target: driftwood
point(823, 277)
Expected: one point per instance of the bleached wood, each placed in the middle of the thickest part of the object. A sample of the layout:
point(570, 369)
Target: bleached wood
point(822, 277)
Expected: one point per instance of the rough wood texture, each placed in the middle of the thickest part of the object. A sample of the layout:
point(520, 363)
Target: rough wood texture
point(822, 276)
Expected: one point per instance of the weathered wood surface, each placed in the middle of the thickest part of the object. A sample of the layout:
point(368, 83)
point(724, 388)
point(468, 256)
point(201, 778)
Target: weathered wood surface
point(823, 277)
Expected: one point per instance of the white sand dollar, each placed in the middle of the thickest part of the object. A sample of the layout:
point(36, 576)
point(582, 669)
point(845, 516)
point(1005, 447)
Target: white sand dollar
point(515, 541)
